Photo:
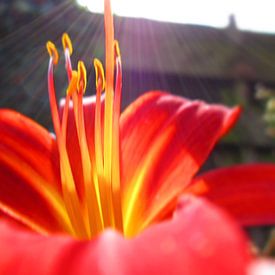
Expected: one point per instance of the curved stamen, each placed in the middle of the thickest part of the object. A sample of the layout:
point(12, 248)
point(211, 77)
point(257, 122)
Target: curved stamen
point(53, 53)
point(81, 78)
point(71, 199)
point(116, 142)
point(92, 196)
point(68, 50)
point(71, 89)
point(67, 43)
point(104, 185)
point(100, 84)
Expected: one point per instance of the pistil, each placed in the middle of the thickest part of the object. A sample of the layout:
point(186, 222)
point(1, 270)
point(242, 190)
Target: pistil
point(108, 211)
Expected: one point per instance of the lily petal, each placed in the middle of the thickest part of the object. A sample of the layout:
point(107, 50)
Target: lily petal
point(29, 172)
point(187, 244)
point(166, 139)
point(246, 191)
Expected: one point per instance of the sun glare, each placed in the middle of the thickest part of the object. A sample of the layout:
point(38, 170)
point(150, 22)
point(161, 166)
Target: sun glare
point(250, 15)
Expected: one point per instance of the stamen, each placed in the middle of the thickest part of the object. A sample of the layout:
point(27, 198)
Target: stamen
point(68, 50)
point(67, 43)
point(71, 89)
point(71, 199)
point(100, 84)
point(104, 185)
point(81, 77)
point(116, 142)
point(99, 74)
point(52, 52)
point(92, 197)
point(73, 84)
point(117, 50)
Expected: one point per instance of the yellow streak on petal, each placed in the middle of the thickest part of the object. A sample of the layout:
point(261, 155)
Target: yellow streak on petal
point(24, 219)
point(39, 185)
point(134, 204)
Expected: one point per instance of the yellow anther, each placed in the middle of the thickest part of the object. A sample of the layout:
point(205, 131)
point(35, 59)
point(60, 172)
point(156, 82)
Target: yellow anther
point(67, 43)
point(52, 52)
point(73, 84)
point(81, 77)
point(117, 49)
point(99, 73)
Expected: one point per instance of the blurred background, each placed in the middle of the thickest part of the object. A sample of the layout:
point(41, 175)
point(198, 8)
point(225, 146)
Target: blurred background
point(221, 62)
point(218, 51)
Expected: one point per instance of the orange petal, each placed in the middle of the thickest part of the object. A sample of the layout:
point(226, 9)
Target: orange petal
point(187, 244)
point(29, 172)
point(164, 141)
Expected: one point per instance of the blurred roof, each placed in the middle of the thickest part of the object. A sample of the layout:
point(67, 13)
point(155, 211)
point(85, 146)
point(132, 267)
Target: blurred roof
point(197, 50)
point(152, 46)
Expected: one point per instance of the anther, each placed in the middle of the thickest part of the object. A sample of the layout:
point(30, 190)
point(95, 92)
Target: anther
point(73, 84)
point(117, 49)
point(67, 43)
point(81, 77)
point(52, 52)
point(99, 74)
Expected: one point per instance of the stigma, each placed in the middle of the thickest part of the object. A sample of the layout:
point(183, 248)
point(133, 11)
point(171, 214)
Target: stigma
point(99, 207)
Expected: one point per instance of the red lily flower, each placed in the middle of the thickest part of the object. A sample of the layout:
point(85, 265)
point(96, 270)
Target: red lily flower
point(104, 171)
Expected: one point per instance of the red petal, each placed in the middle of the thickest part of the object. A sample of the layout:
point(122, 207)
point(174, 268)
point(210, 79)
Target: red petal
point(28, 157)
point(246, 191)
point(165, 139)
point(31, 142)
point(188, 244)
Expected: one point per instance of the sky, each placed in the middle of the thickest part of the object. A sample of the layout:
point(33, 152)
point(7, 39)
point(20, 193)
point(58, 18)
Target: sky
point(250, 15)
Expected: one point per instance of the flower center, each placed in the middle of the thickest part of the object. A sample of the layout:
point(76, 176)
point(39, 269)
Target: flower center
point(100, 206)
